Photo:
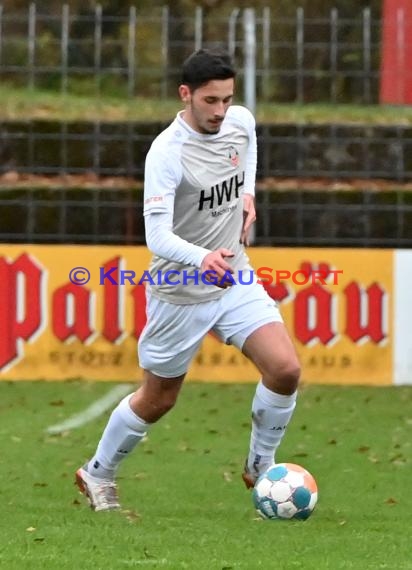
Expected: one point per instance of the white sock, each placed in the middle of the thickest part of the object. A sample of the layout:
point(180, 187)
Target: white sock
point(271, 413)
point(123, 432)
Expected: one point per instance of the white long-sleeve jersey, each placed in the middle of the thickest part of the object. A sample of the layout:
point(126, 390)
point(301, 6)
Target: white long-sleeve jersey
point(193, 204)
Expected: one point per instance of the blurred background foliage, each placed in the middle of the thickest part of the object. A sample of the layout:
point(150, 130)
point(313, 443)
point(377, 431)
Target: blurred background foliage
point(348, 8)
point(157, 68)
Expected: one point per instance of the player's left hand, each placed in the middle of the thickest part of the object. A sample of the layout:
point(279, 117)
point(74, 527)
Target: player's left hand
point(249, 216)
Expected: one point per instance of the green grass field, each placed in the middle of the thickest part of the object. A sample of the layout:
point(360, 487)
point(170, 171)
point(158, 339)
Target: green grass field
point(184, 503)
point(25, 104)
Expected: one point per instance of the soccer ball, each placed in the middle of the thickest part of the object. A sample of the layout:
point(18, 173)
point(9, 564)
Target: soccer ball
point(285, 491)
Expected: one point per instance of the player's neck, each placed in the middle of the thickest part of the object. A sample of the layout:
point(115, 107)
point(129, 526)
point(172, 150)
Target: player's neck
point(188, 118)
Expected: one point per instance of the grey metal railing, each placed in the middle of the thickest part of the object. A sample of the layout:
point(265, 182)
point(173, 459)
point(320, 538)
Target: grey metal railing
point(301, 217)
point(285, 150)
point(298, 58)
point(329, 58)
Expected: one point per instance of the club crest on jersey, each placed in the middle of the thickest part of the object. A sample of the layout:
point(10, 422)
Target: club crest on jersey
point(233, 156)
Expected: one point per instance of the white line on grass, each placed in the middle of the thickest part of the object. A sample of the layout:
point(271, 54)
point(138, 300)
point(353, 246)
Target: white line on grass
point(93, 411)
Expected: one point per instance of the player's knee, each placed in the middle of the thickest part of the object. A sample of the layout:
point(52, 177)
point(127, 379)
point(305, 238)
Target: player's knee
point(290, 377)
point(153, 400)
point(284, 378)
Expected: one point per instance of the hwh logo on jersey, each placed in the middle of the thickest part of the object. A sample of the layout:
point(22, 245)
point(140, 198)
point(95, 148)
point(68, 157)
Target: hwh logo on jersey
point(221, 192)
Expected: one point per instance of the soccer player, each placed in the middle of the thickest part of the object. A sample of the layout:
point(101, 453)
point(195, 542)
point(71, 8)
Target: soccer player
point(199, 207)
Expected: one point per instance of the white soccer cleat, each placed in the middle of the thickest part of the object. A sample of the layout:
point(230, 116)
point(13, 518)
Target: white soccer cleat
point(101, 493)
point(248, 477)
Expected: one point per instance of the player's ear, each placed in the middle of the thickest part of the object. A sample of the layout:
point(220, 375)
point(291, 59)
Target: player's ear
point(184, 93)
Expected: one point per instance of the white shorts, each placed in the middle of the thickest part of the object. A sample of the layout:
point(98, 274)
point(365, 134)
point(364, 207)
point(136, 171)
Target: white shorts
point(173, 333)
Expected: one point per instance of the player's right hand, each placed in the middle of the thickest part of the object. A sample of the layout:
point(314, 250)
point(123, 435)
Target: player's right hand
point(215, 261)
